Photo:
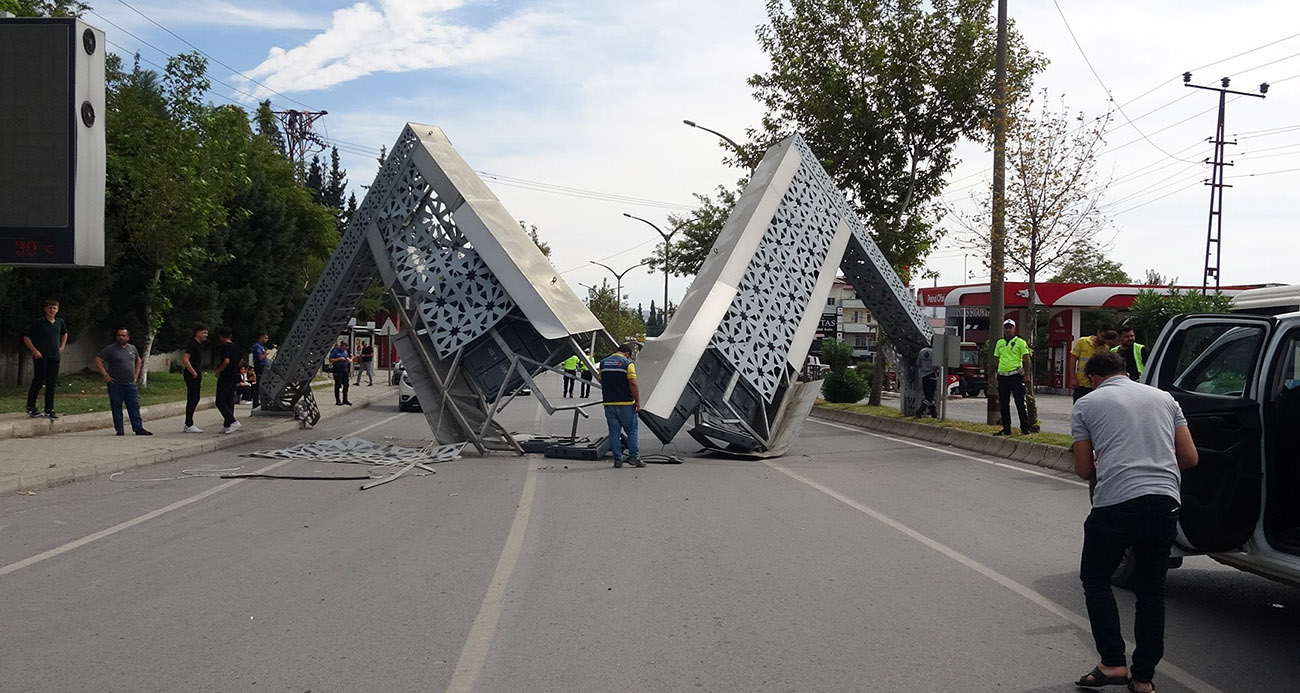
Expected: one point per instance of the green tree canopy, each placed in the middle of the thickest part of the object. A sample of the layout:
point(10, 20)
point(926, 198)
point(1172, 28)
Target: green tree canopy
point(1088, 264)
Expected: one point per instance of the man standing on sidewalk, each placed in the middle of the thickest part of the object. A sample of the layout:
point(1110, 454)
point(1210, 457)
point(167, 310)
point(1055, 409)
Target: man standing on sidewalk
point(366, 364)
point(45, 339)
point(340, 363)
point(622, 401)
point(259, 365)
point(192, 370)
point(227, 379)
point(120, 364)
point(1015, 373)
point(1133, 440)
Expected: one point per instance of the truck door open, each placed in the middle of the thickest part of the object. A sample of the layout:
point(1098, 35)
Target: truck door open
point(1211, 365)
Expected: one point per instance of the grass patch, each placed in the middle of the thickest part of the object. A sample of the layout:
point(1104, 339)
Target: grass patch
point(1057, 439)
point(81, 393)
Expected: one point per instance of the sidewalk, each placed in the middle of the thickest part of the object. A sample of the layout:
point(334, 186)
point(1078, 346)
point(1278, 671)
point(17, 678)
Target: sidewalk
point(83, 446)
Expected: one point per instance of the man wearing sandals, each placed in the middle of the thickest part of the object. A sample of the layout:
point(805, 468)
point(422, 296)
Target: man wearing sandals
point(1133, 440)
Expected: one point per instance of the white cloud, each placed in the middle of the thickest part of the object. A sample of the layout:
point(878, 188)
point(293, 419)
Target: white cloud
point(391, 36)
point(221, 13)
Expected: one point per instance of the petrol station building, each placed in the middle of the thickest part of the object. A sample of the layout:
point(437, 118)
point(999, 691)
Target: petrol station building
point(965, 310)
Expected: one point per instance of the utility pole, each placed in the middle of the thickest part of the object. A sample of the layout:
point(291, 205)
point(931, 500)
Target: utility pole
point(998, 234)
point(1214, 232)
point(298, 135)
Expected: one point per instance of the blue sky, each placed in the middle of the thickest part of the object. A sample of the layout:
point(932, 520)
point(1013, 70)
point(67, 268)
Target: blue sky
point(591, 95)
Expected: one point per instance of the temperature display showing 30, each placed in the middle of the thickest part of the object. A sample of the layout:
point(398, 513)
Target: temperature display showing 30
point(34, 249)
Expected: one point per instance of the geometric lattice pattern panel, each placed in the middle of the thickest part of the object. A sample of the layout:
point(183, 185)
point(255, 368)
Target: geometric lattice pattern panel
point(338, 290)
point(456, 295)
point(759, 328)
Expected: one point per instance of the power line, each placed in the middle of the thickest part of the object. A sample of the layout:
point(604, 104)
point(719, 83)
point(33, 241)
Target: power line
point(1224, 60)
point(1103, 84)
point(209, 57)
point(1130, 209)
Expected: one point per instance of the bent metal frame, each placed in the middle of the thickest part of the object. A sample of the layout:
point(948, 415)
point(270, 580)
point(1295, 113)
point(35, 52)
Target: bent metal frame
point(730, 357)
point(483, 311)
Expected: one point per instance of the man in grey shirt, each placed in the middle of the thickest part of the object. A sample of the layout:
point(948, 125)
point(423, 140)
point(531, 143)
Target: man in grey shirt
point(1132, 440)
point(120, 364)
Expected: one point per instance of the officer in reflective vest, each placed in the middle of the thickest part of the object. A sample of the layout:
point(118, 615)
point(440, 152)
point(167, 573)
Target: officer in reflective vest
point(570, 373)
point(622, 400)
point(1131, 352)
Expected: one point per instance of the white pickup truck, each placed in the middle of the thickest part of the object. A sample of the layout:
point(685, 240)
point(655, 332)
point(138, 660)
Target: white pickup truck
point(1237, 378)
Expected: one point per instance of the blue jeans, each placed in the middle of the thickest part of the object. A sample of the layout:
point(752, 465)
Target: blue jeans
point(622, 417)
point(124, 393)
point(1148, 524)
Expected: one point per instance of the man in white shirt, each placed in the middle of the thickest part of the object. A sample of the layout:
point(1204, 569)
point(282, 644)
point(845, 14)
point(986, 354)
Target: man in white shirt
point(1133, 440)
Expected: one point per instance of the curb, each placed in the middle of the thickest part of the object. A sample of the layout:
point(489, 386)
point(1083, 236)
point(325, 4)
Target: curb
point(57, 477)
point(1037, 454)
point(79, 423)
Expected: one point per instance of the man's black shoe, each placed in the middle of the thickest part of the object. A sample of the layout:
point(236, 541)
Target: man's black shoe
point(347, 402)
point(143, 432)
point(51, 415)
point(121, 433)
point(33, 413)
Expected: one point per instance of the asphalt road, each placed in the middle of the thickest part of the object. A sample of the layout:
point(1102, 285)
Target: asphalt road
point(858, 562)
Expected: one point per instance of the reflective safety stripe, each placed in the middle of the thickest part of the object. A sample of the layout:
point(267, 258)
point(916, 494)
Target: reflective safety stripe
point(1137, 357)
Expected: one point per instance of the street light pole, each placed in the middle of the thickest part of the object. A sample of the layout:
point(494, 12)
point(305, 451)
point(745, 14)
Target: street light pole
point(618, 278)
point(740, 154)
point(667, 238)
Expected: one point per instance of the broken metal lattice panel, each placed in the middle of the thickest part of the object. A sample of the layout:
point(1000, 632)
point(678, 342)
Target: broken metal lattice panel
point(334, 299)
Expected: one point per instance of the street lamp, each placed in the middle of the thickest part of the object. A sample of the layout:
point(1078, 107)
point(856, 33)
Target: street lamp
point(740, 154)
point(667, 238)
point(618, 277)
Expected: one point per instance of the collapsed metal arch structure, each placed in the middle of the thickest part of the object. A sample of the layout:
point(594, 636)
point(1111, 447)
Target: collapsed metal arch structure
point(483, 311)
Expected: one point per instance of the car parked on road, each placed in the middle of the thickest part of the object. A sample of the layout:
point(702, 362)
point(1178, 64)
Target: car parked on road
point(1237, 379)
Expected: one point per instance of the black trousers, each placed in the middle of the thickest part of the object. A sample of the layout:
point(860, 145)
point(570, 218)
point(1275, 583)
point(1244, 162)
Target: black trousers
point(928, 385)
point(568, 382)
point(257, 386)
point(1012, 386)
point(586, 383)
point(45, 373)
point(226, 400)
point(340, 381)
point(191, 396)
point(1147, 524)
point(1079, 391)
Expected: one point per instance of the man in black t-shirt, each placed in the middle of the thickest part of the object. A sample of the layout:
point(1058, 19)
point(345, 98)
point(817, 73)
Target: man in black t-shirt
point(227, 379)
point(192, 369)
point(45, 339)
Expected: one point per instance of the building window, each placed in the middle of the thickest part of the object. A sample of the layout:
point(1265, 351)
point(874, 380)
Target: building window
point(830, 301)
point(855, 316)
point(859, 340)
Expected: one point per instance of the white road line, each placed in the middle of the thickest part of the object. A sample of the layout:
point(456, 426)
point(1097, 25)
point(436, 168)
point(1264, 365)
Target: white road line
point(76, 544)
point(954, 453)
point(479, 641)
point(1166, 667)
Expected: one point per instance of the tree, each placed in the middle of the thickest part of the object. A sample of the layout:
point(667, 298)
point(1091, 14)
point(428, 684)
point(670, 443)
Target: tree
point(160, 185)
point(43, 8)
point(1087, 264)
point(842, 384)
point(620, 323)
point(1053, 201)
point(1152, 309)
point(882, 91)
point(531, 230)
point(697, 232)
point(1154, 278)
